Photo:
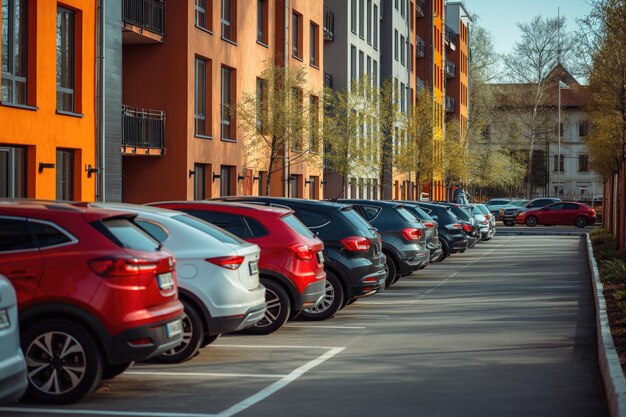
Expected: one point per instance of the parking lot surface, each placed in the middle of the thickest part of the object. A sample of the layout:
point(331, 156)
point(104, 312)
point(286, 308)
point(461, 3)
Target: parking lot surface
point(504, 329)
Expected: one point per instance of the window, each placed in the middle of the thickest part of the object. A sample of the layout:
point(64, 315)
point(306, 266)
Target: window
point(15, 235)
point(48, 235)
point(296, 35)
point(396, 4)
point(312, 219)
point(361, 64)
point(297, 226)
point(314, 124)
point(402, 49)
point(65, 174)
point(227, 122)
point(215, 232)
point(226, 180)
point(232, 223)
point(402, 7)
point(369, 21)
point(362, 19)
point(262, 181)
point(353, 16)
point(297, 128)
point(12, 172)
point(314, 44)
point(556, 164)
point(65, 60)
point(370, 212)
point(558, 129)
point(126, 234)
point(583, 163)
point(376, 27)
point(352, 63)
point(261, 105)
point(375, 73)
point(261, 22)
point(582, 128)
point(200, 191)
point(153, 229)
point(204, 15)
point(202, 118)
point(14, 56)
point(229, 23)
point(294, 186)
point(402, 98)
point(395, 45)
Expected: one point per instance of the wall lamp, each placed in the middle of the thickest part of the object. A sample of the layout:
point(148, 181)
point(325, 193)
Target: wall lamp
point(241, 177)
point(216, 176)
point(192, 172)
point(309, 181)
point(91, 170)
point(44, 165)
point(255, 178)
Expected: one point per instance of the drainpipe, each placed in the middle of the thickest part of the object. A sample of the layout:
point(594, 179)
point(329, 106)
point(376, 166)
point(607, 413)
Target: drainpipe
point(432, 81)
point(285, 57)
point(100, 110)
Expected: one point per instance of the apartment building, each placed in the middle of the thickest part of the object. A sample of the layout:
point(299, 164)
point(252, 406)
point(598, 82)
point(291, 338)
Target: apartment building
point(352, 51)
point(47, 99)
point(179, 67)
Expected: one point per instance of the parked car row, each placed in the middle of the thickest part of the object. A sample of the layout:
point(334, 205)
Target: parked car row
point(546, 211)
point(98, 286)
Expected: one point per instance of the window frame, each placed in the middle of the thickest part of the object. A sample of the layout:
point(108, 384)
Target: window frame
point(229, 21)
point(314, 54)
point(203, 92)
point(11, 44)
point(296, 36)
point(69, 167)
point(207, 11)
point(227, 120)
point(71, 46)
point(262, 23)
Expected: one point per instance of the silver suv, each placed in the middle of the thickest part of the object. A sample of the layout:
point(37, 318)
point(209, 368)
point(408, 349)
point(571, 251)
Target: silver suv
point(13, 381)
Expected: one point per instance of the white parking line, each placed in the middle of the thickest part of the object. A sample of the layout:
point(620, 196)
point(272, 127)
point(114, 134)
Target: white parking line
point(293, 326)
point(275, 347)
point(202, 374)
point(74, 412)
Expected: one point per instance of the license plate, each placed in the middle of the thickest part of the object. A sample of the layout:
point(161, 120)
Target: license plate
point(254, 267)
point(4, 319)
point(320, 258)
point(166, 281)
point(174, 328)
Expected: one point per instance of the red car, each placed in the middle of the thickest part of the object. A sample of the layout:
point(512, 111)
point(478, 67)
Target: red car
point(562, 213)
point(95, 293)
point(291, 266)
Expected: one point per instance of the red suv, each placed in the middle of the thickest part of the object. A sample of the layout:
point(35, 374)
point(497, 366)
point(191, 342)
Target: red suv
point(95, 293)
point(291, 264)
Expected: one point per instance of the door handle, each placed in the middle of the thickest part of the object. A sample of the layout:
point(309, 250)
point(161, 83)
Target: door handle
point(22, 275)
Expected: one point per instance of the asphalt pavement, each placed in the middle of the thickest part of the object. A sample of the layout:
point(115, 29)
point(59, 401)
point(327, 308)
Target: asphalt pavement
point(504, 329)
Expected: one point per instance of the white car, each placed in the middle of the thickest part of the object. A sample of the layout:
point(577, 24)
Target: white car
point(218, 276)
point(13, 380)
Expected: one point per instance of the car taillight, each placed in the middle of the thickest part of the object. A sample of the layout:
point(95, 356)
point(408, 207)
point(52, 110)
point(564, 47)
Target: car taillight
point(454, 226)
point(411, 233)
point(356, 243)
point(303, 252)
point(228, 262)
point(467, 227)
point(117, 267)
point(430, 225)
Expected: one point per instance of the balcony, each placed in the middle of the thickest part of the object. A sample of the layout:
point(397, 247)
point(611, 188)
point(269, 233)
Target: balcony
point(450, 69)
point(420, 8)
point(419, 85)
point(449, 104)
point(143, 132)
point(143, 21)
point(328, 80)
point(450, 37)
point(329, 25)
point(420, 48)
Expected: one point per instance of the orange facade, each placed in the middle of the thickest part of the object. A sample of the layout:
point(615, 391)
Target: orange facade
point(203, 156)
point(48, 100)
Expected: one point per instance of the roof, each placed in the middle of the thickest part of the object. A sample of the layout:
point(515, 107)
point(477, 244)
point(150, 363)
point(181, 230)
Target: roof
point(281, 200)
point(227, 204)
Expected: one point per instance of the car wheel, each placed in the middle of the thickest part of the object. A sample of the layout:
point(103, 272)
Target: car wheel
point(330, 304)
point(580, 222)
point(111, 371)
point(531, 221)
point(509, 223)
point(392, 271)
point(193, 335)
point(445, 250)
point(277, 311)
point(208, 339)
point(63, 361)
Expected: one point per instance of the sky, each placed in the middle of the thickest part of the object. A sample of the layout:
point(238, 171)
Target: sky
point(500, 16)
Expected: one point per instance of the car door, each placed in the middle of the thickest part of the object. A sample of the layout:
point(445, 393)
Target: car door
point(569, 213)
point(551, 214)
point(20, 259)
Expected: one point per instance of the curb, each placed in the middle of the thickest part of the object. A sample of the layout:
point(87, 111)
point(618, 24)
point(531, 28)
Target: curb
point(539, 233)
point(610, 367)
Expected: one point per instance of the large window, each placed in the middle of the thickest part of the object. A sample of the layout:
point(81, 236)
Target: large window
point(226, 180)
point(361, 64)
point(395, 45)
point(261, 21)
point(376, 27)
point(559, 166)
point(202, 98)
point(200, 191)
point(314, 44)
point(369, 21)
point(66, 43)
point(12, 172)
point(65, 174)
point(362, 19)
point(402, 49)
point(352, 63)
point(314, 124)
point(583, 163)
point(261, 104)
point(296, 35)
point(14, 51)
point(583, 128)
point(353, 16)
point(229, 23)
point(227, 122)
point(204, 15)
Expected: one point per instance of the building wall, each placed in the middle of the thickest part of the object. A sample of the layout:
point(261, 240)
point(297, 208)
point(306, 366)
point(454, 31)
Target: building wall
point(39, 127)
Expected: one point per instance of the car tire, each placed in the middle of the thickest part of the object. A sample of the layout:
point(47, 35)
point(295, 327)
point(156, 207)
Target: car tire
point(580, 222)
point(74, 362)
point(508, 223)
point(208, 339)
point(111, 371)
point(277, 312)
point(445, 250)
point(193, 335)
point(330, 304)
point(392, 271)
point(531, 221)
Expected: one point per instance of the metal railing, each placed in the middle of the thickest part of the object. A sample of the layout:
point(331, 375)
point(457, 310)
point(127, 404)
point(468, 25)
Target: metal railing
point(147, 14)
point(143, 128)
point(420, 8)
point(419, 85)
point(328, 80)
point(329, 25)
point(450, 69)
point(420, 47)
point(450, 104)
point(450, 36)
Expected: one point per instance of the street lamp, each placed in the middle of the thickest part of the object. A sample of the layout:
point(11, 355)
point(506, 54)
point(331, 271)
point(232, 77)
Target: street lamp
point(561, 85)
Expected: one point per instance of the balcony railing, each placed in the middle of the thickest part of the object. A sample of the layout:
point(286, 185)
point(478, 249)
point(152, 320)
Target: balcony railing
point(147, 14)
point(420, 8)
point(329, 25)
point(328, 80)
point(449, 104)
point(142, 128)
point(419, 85)
point(450, 37)
point(450, 69)
point(420, 48)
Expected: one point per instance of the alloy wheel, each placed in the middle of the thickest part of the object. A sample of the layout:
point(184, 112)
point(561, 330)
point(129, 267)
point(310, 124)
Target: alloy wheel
point(187, 334)
point(273, 309)
point(326, 302)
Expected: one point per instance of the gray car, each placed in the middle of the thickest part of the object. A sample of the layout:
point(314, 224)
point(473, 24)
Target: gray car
point(486, 221)
point(13, 380)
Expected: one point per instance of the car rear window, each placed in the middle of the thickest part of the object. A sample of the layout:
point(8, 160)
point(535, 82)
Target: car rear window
point(155, 230)
point(211, 230)
point(15, 235)
point(370, 212)
point(296, 225)
point(406, 215)
point(312, 219)
point(483, 209)
point(128, 235)
point(359, 222)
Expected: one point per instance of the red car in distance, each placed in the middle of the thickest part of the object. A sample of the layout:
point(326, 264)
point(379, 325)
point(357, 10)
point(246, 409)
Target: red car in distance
point(95, 293)
point(560, 213)
point(291, 266)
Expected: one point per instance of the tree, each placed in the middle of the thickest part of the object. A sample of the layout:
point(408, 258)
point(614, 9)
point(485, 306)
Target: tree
point(542, 47)
point(350, 139)
point(276, 123)
point(390, 127)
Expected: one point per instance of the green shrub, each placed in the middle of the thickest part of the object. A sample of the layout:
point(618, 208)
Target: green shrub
point(613, 270)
